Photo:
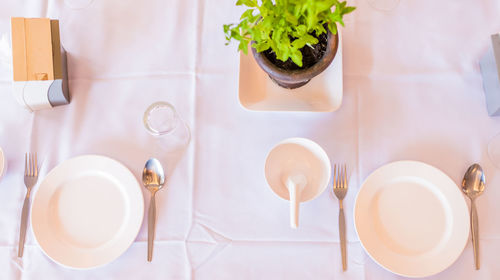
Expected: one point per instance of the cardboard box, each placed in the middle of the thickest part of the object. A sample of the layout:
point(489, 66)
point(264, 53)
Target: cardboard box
point(39, 63)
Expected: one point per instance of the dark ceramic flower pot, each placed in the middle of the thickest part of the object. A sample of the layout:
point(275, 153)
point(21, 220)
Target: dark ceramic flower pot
point(296, 78)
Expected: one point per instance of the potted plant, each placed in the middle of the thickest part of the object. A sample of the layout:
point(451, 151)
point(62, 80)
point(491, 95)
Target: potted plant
point(291, 40)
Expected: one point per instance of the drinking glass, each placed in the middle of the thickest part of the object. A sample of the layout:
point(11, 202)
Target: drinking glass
point(162, 121)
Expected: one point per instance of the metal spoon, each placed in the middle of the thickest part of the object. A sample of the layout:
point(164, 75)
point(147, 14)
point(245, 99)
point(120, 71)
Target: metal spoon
point(473, 186)
point(153, 178)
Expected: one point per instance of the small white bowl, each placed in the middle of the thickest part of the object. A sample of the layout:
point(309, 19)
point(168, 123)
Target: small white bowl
point(298, 170)
point(3, 163)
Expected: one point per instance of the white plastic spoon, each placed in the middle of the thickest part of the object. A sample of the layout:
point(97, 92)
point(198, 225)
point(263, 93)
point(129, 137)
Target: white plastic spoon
point(295, 184)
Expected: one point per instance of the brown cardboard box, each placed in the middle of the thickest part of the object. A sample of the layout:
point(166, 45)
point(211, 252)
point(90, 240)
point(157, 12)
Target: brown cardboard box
point(36, 49)
point(39, 63)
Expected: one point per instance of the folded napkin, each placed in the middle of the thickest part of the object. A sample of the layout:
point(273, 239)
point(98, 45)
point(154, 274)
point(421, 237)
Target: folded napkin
point(490, 70)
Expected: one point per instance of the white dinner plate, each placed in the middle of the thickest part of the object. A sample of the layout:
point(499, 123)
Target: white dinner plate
point(411, 218)
point(87, 212)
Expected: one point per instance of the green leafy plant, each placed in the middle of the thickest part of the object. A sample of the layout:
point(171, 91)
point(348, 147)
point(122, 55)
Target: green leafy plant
point(285, 26)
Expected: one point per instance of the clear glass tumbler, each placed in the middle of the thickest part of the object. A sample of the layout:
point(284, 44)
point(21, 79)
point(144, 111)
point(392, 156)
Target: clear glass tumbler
point(162, 121)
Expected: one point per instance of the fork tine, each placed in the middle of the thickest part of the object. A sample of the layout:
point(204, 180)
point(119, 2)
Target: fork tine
point(31, 165)
point(32, 169)
point(334, 176)
point(341, 176)
point(36, 166)
point(345, 175)
point(26, 164)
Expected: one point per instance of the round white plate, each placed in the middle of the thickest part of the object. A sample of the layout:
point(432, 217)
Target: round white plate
point(411, 218)
point(87, 211)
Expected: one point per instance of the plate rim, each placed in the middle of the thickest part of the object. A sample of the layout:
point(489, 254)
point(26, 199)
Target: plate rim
point(363, 245)
point(141, 207)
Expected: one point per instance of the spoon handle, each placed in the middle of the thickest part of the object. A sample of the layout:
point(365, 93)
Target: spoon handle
point(475, 233)
point(294, 205)
point(151, 226)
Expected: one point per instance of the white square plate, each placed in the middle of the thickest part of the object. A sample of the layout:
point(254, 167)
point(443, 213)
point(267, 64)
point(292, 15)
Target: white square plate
point(257, 92)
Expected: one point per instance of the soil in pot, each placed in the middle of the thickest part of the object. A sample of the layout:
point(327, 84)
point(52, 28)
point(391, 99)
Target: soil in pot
point(310, 55)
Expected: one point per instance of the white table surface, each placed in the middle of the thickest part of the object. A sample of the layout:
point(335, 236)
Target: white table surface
point(412, 90)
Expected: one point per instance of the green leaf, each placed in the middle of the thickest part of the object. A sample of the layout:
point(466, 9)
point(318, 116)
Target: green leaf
point(312, 20)
point(276, 35)
point(348, 10)
point(333, 28)
point(299, 43)
point(335, 17)
point(248, 3)
point(320, 29)
point(304, 40)
point(236, 34)
point(243, 46)
point(297, 58)
point(322, 6)
point(301, 30)
point(247, 14)
point(262, 46)
point(291, 18)
point(283, 55)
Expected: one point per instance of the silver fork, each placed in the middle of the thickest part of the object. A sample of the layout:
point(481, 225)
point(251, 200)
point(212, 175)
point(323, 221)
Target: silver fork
point(30, 178)
point(340, 190)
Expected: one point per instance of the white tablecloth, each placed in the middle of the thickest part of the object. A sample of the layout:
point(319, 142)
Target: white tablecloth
point(412, 90)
